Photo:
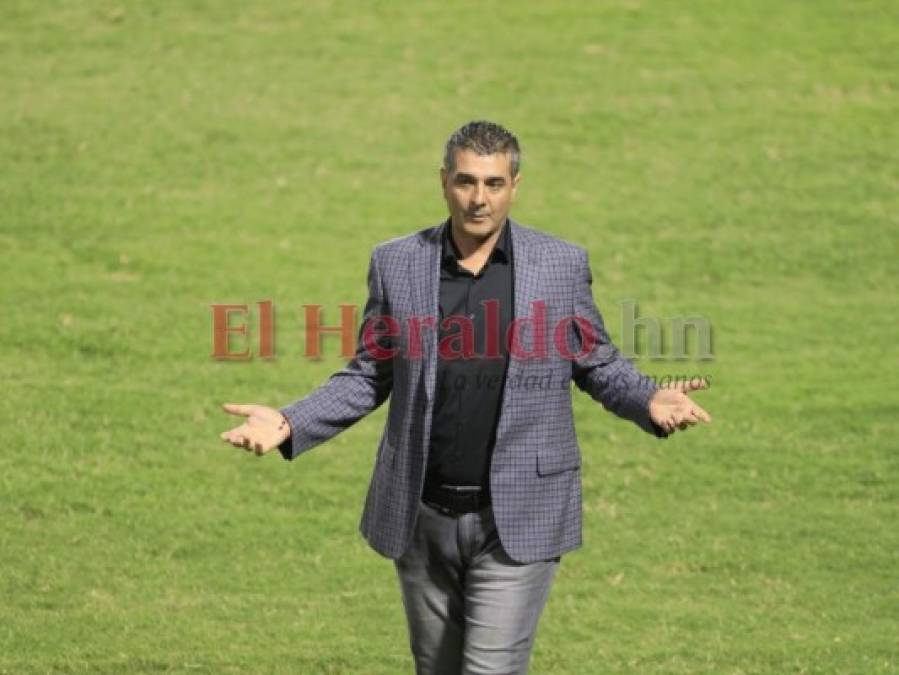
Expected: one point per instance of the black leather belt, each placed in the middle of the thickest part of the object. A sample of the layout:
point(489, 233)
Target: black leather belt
point(454, 500)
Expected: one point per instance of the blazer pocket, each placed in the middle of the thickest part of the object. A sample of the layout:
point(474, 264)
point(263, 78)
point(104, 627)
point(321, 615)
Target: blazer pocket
point(553, 460)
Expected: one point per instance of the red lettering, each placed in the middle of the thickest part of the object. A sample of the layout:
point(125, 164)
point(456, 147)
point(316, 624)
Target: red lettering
point(266, 329)
point(537, 321)
point(221, 331)
point(584, 329)
point(414, 324)
point(371, 333)
point(461, 343)
point(491, 327)
point(315, 330)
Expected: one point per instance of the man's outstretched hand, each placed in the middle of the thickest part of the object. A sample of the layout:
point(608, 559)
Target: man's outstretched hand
point(264, 429)
point(672, 409)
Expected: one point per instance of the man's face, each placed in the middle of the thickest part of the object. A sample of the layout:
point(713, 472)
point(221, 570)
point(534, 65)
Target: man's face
point(479, 192)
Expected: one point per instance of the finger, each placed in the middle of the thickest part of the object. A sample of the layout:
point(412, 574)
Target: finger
point(687, 422)
point(701, 414)
point(670, 424)
point(237, 408)
point(236, 434)
point(233, 438)
point(254, 445)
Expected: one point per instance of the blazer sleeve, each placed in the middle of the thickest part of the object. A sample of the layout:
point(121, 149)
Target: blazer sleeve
point(602, 371)
point(349, 394)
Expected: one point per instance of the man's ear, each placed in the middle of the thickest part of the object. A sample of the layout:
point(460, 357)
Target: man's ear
point(515, 182)
point(443, 176)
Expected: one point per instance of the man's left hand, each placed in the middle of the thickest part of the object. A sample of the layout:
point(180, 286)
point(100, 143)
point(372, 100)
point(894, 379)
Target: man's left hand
point(672, 409)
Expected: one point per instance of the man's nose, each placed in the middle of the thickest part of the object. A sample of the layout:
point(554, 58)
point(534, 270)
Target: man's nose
point(479, 193)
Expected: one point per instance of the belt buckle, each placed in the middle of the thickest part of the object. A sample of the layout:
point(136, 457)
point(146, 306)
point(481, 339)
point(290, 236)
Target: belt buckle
point(445, 510)
point(461, 500)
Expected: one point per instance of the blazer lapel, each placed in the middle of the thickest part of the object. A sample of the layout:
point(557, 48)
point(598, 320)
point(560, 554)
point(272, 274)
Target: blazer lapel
point(526, 289)
point(424, 276)
point(526, 261)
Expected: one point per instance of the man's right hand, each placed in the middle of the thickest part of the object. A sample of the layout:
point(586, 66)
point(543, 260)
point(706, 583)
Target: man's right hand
point(263, 430)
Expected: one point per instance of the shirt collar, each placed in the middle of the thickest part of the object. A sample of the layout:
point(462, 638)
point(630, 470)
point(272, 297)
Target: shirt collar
point(501, 250)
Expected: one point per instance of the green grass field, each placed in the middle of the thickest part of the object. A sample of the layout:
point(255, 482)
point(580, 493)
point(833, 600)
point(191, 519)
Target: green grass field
point(731, 160)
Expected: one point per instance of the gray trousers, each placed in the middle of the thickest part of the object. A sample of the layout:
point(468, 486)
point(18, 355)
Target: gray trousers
point(471, 609)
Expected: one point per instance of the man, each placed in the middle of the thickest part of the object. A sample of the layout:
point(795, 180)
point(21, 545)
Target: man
point(475, 328)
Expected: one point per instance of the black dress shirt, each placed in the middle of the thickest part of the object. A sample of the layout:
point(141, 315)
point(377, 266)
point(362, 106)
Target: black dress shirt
point(470, 372)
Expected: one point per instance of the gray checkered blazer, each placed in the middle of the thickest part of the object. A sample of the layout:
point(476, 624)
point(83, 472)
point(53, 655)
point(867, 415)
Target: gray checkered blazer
point(535, 477)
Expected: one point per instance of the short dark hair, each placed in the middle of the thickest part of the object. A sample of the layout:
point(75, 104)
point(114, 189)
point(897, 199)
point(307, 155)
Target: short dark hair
point(484, 138)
